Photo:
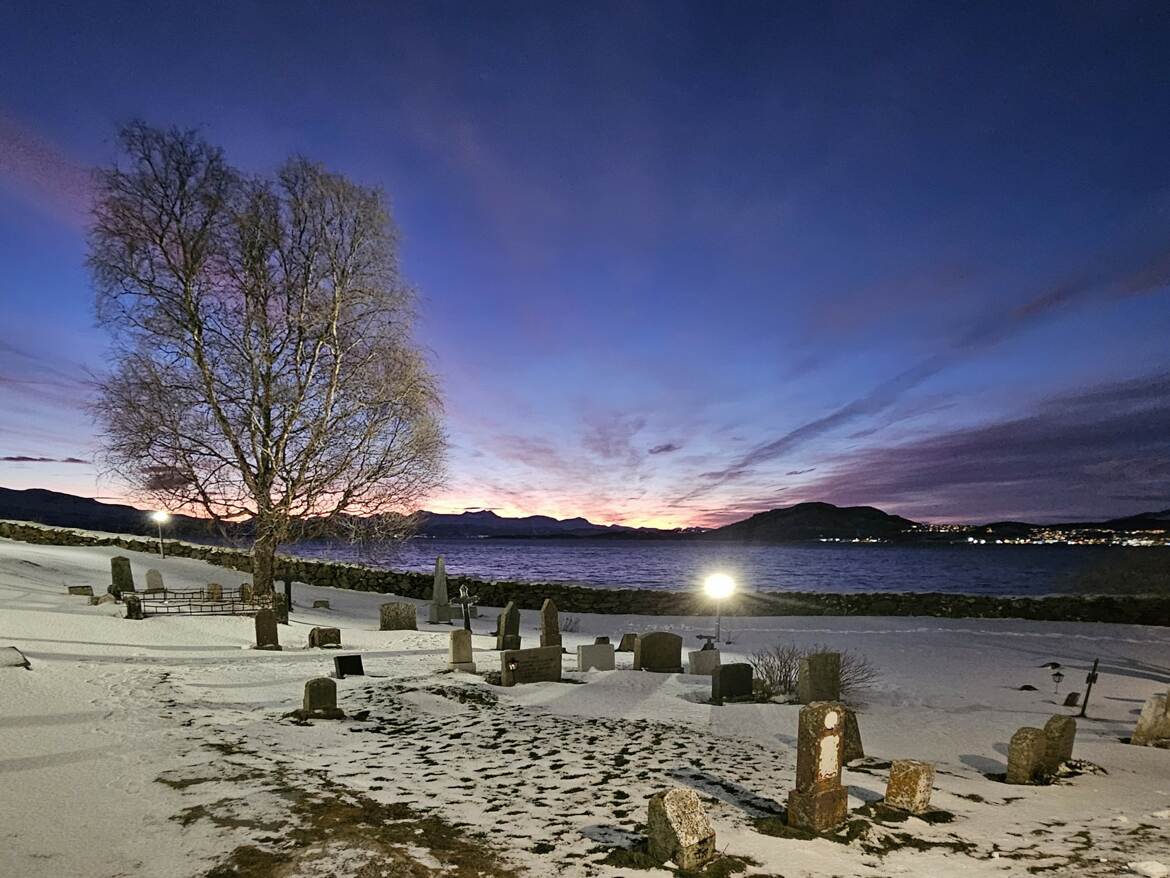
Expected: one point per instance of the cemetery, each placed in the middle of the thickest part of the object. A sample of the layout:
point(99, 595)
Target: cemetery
point(430, 735)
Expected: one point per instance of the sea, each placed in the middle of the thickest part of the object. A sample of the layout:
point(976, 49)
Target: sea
point(678, 565)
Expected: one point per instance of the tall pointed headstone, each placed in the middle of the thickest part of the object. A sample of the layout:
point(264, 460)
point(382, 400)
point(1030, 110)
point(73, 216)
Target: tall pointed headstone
point(440, 609)
point(550, 624)
point(508, 628)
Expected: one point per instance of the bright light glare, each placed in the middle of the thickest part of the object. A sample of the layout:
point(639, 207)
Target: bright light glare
point(719, 586)
point(160, 517)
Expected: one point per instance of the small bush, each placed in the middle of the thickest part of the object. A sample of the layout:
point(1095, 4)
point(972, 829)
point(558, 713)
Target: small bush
point(570, 624)
point(778, 668)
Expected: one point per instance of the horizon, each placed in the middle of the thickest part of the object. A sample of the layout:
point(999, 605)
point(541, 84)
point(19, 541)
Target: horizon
point(674, 270)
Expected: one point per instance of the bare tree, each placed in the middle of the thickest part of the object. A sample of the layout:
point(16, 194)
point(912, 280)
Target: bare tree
point(264, 370)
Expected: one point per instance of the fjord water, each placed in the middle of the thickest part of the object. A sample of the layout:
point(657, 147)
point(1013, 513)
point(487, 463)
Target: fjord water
point(682, 565)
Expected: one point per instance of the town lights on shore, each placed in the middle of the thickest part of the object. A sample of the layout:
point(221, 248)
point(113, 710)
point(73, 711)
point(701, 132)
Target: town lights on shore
point(160, 518)
point(719, 587)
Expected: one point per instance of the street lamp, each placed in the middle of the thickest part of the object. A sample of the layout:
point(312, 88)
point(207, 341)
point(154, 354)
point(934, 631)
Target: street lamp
point(718, 587)
point(160, 518)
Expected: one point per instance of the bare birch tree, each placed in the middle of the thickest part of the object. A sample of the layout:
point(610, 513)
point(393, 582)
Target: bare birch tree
point(264, 370)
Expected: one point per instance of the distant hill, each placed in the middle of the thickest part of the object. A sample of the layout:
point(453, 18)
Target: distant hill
point(488, 524)
point(811, 521)
point(66, 510)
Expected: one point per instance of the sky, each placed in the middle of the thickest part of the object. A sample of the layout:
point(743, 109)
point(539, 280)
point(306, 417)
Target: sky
point(678, 262)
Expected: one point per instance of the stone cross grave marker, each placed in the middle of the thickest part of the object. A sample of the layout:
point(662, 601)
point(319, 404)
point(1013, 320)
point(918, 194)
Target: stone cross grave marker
point(550, 623)
point(627, 642)
point(1026, 755)
point(539, 665)
point(440, 610)
point(121, 577)
point(678, 829)
point(731, 683)
point(467, 602)
point(819, 802)
point(348, 666)
point(508, 628)
point(398, 616)
point(910, 785)
point(1153, 725)
point(1060, 733)
point(819, 678)
point(325, 638)
point(321, 699)
point(595, 657)
point(658, 651)
point(266, 635)
point(154, 581)
point(459, 653)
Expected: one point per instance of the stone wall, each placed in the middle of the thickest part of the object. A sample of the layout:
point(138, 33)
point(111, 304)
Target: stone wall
point(1141, 609)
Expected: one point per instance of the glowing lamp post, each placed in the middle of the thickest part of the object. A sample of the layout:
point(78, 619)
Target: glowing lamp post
point(719, 587)
point(160, 518)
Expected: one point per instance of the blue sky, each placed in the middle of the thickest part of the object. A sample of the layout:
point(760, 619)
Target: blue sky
point(677, 262)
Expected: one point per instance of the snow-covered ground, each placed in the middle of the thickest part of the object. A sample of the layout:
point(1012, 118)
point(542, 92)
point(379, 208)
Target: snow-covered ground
point(156, 748)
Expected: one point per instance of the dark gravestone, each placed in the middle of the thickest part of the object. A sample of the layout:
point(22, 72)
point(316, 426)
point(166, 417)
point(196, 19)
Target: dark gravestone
point(266, 636)
point(550, 624)
point(399, 616)
point(819, 678)
point(851, 746)
point(658, 651)
point(280, 608)
point(133, 606)
point(508, 628)
point(348, 666)
point(540, 665)
point(121, 577)
point(325, 638)
point(321, 699)
point(731, 683)
point(598, 640)
point(627, 643)
point(1073, 699)
point(320, 605)
point(82, 590)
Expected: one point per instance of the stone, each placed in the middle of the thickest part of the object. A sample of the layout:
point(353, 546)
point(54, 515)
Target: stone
point(539, 665)
point(81, 590)
point(731, 683)
point(214, 591)
point(154, 581)
point(550, 624)
point(819, 678)
point(508, 628)
point(702, 662)
point(1060, 733)
point(678, 829)
point(325, 638)
point(266, 636)
point(440, 609)
point(133, 606)
point(595, 657)
point(399, 616)
point(1026, 755)
point(600, 639)
point(348, 666)
point(121, 577)
point(321, 699)
point(627, 643)
point(1153, 726)
point(910, 785)
point(11, 657)
point(658, 651)
point(321, 605)
point(851, 747)
point(1073, 699)
point(280, 608)
point(246, 593)
point(819, 802)
point(103, 599)
point(459, 653)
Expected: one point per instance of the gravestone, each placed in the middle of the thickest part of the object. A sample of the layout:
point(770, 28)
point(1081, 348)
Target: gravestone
point(851, 747)
point(703, 662)
point(325, 638)
point(266, 636)
point(120, 575)
point(819, 802)
point(154, 581)
point(678, 829)
point(399, 616)
point(595, 657)
point(246, 592)
point(1060, 733)
point(280, 608)
point(133, 606)
point(819, 678)
point(459, 653)
point(550, 624)
point(1073, 699)
point(910, 785)
point(731, 683)
point(508, 628)
point(321, 699)
point(321, 605)
point(82, 590)
point(11, 657)
point(214, 591)
point(627, 643)
point(103, 599)
point(440, 607)
point(1153, 725)
point(600, 639)
point(1026, 756)
point(539, 665)
point(348, 666)
point(658, 651)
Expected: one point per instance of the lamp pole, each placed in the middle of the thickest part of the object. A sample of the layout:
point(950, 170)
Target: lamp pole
point(160, 518)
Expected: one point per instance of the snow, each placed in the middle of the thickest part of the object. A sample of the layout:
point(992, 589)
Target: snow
point(156, 747)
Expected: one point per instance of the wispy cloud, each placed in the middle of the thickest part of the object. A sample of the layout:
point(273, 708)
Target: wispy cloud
point(21, 458)
point(43, 173)
point(665, 448)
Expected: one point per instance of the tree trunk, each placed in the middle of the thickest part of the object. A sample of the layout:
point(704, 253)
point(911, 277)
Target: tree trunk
point(263, 563)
